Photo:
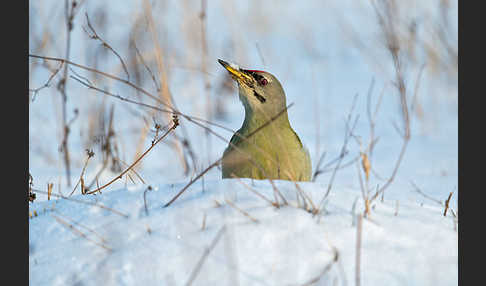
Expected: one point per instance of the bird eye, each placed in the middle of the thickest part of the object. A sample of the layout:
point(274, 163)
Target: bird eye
point(263, 81)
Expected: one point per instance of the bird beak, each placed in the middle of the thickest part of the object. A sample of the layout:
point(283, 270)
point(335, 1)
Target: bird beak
point(237, 73)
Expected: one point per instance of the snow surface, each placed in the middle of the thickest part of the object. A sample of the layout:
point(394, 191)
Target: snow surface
point(405, 241)
point(285, 246)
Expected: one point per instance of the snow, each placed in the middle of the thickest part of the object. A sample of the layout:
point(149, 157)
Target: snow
point(218, 232)
point(285, 246)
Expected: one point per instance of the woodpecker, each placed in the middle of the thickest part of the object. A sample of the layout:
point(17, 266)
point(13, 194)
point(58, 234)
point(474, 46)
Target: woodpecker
point(273, 152)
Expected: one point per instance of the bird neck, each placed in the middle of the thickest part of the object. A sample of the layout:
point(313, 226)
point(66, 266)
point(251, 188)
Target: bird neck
point(256, 118)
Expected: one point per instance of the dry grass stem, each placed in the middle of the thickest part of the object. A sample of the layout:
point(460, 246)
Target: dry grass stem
point(157, 86)
point(93, 35)
point(415, 106)
point(365, 163)
point(347, 133)
point(205, 255)
point(353, 212)
point(84, 202)
point(175, 123)
point(418, 190)
point(149, 188)
point(133, 170)
point(102, 239)
point(364, 193)
point(313, 209)
point(242, 211)
point(203, 227)
point(49, 190)
point(324, 271)
point(90, 154)
point(70, 10)
point(447, 203)
point(359, 231)
point(204, 64)
point(385, 18)
point(318, 169)
point(254, 191)
point(35, 91)
point(80, 233)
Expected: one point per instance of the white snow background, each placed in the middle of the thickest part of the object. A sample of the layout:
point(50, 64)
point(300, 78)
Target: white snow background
point(219, 232)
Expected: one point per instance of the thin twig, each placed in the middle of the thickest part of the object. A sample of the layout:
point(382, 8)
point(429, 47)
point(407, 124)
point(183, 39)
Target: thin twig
point(85, 227)
point(418, 190)
point(149, 188)
point(90, 154)
point(260, 54)
point(80, 233)
point(69, 11)
point(254, 191)
point(95, 36)
point(358, 250)
point(388, 29)
point(133, 170)
point(414, 98)
point(347, 132)
point(203, 227)
point(203, 258)
point(447, 203)
point(83, 202)
point(35, 91)
point(157, 86)
point(173, 127)
point(306, 198)
point(326, 269)
point(318, 170)
point(207, 82)
point(242, 211)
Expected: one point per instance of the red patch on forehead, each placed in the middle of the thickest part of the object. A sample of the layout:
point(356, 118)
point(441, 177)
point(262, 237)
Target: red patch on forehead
point(254, 71)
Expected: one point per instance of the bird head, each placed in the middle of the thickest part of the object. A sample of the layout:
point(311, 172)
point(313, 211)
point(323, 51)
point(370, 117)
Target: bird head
point(259, 91)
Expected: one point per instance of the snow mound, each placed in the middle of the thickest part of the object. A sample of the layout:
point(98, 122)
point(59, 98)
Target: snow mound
point(223, 234)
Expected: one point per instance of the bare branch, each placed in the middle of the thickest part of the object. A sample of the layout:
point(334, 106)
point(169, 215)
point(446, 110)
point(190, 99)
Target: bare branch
point(93, 35)
point(348, 131)
point(157, 86)
point(35, 91)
